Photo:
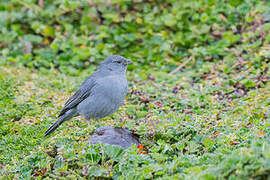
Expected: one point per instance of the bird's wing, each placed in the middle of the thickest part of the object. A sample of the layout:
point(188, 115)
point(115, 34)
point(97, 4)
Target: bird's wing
point(82, 93)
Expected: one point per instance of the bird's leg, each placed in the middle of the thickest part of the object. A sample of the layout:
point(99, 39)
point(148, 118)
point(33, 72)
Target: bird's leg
point(89, 126)
point(88, 122)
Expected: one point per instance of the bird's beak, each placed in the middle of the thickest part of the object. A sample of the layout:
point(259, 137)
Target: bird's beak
point(129, 62)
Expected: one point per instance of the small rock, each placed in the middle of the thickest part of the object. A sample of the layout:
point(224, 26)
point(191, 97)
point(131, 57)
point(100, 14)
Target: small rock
point(115, 136)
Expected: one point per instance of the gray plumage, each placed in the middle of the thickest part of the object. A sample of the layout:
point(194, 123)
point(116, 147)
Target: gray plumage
point(100, 94)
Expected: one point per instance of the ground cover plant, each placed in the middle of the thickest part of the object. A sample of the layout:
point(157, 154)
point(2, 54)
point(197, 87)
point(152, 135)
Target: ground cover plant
point(198, 93)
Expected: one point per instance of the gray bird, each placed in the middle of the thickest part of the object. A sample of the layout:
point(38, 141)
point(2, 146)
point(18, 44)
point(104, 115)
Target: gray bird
point(99, 95)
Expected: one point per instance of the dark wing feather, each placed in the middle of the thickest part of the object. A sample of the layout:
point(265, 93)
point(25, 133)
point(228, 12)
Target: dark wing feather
point(82, 93)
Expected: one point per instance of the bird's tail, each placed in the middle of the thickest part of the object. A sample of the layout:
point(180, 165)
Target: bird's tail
point(68, 115)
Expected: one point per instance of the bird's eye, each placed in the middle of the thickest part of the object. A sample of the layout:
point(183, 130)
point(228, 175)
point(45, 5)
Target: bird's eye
point(119, 62)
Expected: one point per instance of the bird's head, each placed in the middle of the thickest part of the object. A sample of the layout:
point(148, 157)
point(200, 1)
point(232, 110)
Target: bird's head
point(115, 63)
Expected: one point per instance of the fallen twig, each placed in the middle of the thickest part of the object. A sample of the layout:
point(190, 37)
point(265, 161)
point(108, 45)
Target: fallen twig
point(181, 65)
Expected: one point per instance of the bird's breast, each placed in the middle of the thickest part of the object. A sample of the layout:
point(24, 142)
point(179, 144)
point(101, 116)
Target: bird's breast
point(113, 88)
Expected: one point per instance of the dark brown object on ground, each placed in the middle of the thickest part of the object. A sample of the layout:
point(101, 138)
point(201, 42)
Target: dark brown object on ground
point(115, 136)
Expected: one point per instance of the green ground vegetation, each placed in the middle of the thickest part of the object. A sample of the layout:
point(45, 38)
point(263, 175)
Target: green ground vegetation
point(199, 90)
